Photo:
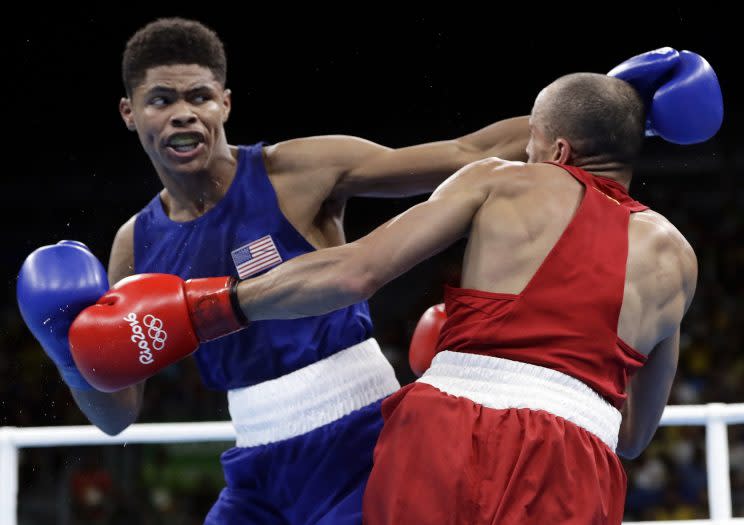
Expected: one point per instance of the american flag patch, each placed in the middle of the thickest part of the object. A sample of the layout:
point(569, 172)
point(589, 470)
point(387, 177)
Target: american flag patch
point(255, 256)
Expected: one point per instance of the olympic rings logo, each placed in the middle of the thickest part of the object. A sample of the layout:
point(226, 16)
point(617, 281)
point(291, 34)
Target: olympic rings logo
point(155, 331)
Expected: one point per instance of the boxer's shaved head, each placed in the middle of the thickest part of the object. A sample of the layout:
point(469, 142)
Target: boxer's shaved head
point(600, 116)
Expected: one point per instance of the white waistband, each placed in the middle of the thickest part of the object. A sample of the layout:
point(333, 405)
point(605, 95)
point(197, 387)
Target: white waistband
point(311, 397)
point(501, 383)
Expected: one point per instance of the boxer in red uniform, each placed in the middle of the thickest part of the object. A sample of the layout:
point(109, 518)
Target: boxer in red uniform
point(570, 288)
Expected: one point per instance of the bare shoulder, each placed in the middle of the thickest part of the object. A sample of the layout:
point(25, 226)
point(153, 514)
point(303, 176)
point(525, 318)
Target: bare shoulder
point(497, 176)
point(659, 230)
point(311, 168)
point(322, 151)
point(517, 179)
point(655, 234)
point(121, 261)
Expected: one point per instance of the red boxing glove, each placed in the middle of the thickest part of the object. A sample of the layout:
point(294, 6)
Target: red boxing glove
point(424, 341)
point(147, 322)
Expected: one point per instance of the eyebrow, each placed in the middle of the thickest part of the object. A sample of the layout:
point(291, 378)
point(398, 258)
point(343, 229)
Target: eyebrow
point(159, 88)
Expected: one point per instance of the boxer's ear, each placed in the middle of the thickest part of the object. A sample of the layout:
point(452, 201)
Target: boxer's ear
point(563, 152)
point(127, 113)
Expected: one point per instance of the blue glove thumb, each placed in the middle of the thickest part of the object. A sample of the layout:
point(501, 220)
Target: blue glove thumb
point(54, 284)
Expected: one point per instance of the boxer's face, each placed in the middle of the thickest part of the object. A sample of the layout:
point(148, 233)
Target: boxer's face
point(179, 113)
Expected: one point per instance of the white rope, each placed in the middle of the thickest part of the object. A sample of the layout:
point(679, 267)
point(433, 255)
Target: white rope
point(714, 416)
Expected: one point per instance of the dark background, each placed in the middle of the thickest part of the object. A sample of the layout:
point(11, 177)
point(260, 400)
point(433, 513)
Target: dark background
point(73, 171)
point(393, 78)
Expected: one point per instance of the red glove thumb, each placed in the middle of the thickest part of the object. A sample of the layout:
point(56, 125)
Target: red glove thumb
point(424, 341)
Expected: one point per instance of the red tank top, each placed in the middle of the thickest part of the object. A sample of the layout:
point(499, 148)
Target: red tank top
point(566, 317)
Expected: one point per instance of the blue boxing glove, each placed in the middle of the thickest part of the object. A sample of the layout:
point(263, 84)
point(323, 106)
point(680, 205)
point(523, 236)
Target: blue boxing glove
point(54, 285)
point(680, 90)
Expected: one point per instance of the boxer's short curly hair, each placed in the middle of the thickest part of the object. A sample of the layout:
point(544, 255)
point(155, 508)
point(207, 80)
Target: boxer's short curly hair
point(169, 41)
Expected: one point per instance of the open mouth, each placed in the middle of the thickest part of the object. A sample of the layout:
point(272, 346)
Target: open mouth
point(184, 142)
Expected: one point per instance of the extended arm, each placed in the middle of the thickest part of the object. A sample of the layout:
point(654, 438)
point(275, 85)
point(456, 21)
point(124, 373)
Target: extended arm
point(350, 166)
point(664, 267)
point(111, 356)
point(326, 280)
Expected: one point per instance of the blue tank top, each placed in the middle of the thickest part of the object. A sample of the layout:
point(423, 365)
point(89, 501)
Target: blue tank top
point(246, 230)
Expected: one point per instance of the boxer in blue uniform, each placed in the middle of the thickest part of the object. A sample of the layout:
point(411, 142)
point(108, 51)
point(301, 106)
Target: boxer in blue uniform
point(304, 394)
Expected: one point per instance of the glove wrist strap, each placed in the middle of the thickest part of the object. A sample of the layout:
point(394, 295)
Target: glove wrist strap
point(213, 307)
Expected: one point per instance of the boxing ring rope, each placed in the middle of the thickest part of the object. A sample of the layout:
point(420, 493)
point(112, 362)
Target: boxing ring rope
point(714, 416)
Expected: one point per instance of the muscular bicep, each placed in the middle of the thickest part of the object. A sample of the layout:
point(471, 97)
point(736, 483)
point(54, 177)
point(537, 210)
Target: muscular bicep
point(648, 394)
point(317, 165)
point(121, 261)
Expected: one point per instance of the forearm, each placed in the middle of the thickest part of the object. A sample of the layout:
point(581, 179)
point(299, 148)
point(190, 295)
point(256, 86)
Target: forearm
point(506, 139)
point(648, 393)
point(629, 445)
point(314, 284)
point(638, 426)
point(112, 412)
point(377, 171)
point(428, 165)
